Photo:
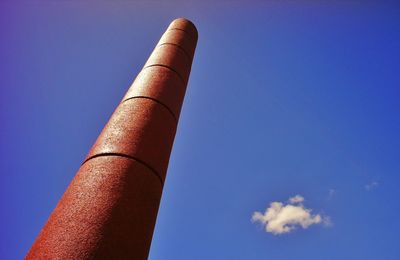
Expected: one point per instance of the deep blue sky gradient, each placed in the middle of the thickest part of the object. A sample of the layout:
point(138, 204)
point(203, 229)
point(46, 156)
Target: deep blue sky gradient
point(284, 98)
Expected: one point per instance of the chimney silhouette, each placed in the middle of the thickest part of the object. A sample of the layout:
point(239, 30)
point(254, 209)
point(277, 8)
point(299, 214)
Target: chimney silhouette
point(109, 210)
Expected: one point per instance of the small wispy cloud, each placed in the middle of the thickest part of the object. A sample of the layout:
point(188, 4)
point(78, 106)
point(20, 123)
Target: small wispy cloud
point(371, 186)
point(296, 199)
point(331, 193)
point(280, 218)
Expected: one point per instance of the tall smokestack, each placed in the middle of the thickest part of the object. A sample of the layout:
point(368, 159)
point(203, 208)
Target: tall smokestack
point(109, 210)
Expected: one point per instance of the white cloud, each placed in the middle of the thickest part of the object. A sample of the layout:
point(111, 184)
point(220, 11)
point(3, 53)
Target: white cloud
point(280, 218)
point(371, 185)
point(296, 199)
point(326, 221)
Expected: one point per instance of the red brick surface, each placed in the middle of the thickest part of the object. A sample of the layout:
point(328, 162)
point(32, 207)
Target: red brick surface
point(139, 128)
point(181, 39)
point(185, 25)
point(110, 208)
point(161, 84)
point(172, 57)
point(108, 212)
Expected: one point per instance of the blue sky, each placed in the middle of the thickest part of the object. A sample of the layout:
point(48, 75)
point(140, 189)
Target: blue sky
point(284, 98)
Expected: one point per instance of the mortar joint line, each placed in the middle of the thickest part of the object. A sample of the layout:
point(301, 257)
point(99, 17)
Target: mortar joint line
point(168, 67)
point(158, 102)
point(128, 157)
point(187, 32)
point(179, 47)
